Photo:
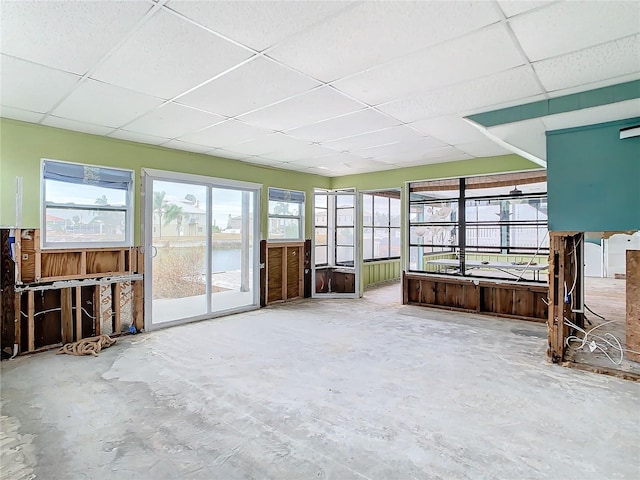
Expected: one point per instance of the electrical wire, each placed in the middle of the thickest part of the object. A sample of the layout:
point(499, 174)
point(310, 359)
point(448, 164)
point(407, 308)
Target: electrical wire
point(597, 315)
point(592, 343)
point(59, 309)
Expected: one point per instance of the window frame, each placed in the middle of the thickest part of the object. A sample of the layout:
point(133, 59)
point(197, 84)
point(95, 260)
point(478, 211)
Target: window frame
point(389, 228)
point(127, 209)
point(300, 217)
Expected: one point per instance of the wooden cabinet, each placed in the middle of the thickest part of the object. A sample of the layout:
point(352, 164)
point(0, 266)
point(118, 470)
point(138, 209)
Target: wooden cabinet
point(285, 271)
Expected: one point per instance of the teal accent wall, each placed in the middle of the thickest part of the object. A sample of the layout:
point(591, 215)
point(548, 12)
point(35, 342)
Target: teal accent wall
point(593, 178)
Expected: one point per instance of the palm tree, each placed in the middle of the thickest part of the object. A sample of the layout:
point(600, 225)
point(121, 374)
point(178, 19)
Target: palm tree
point(169, 211)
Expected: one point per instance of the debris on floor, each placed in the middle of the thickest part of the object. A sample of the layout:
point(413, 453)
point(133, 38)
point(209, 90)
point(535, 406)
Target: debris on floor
point(87, 346)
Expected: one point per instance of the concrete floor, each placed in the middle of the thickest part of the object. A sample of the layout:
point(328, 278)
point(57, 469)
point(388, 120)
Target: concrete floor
point(340, 389)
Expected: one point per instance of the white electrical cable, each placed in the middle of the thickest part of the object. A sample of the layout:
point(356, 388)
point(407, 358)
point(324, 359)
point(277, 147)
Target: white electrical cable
point(592, 344)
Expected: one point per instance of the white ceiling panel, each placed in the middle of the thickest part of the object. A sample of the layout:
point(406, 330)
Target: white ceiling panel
point(256, 24)
point(168, 55)
point(515, 84)
point(255, 84)
point(222, 153)
point(354, 40)
point(18, 114)
point(188, 147)
point(420, 162)
point(528, 136)
point(139, 137)
point(515, 7)
point(328, 161)
point(266, 144)
point(348, 125)
point(315, 106)
point(569, 26)
point(299, 152)
point(483, 148)
point(603, 83)
point(102, 104)
point(33, 87)
point(610, 60)
point(590, 116)
point(226, 133)
point(482, 53)
point(450, 129)
point(172, 120)
point(419, 145)
point(265, 162)
point(374, 139)
point(71, 36)
point(67, 124)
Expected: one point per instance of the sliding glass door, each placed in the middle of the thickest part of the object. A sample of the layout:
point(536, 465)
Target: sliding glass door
point(201, 252)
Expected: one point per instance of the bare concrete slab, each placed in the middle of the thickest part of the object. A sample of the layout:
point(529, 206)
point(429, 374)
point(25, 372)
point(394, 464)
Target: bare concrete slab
point(335, 389)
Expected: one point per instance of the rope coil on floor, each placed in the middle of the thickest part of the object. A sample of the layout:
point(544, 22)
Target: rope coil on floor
point(87, 346)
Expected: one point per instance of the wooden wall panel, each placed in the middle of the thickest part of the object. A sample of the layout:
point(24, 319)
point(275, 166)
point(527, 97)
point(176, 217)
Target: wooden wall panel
point(105, 262)
point(633, 304)
point(275, 290)
point(294, 280)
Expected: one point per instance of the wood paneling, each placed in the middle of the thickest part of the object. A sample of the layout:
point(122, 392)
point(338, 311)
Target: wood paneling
point(509, 300)
point(293, 272)
point(285, 271)
point(633, 304)
point(275, 278)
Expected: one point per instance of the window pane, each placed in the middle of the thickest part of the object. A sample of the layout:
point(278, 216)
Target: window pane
point(345, 201)
point(433, 235)
point(434, 212)
point(367, 210)
point(80, 225)
point(62, 192)
point(367, 243)
point(344, 236)
point(321, 236)
point(344, 255)
point(381, 243)
point(396, 242)
point(321, 200)
point(345, 216)
point(284, 208)
point(284, 228)
point(381, 211)
point(321, 255)
point(394, 214)
point(321, 216)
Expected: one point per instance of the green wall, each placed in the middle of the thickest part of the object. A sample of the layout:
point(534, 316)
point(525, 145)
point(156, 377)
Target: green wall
point(22, 145)
point(593, 178)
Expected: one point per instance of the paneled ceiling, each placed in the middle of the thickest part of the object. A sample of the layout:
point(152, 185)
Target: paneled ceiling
point(325, 87)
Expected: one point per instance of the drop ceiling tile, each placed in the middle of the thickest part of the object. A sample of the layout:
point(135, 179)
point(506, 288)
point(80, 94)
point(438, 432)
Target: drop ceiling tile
point(102, 104)
point(138, 137)
point(483, 148)
point(18, 114)
point(71, 36)
point(188, 147)
point(613, 59)
point(33, 87)
point(168, 55)
point(528, 135)
point(266, 144)
point(226, 133)
point(569, 26)
point(255, 84)
point(222, 153)
point(172, 120)
point(328, 161)
point(67, 124)
point(450, 129)
point(591, 116)
point(419, 145)
point(299, 152)
point(314, 106)
point(345, 126)
point(265, 162)
point(592, 86)
point(512, 8)
point(515, 84)
point(374, 139)
point(352, 41)
point(448, 154)
point(256, 24)
point(482, 53)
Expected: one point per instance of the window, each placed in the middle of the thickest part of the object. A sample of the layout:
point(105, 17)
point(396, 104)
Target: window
point(286, 214)
point(86, 206)
point(321, 240)
point(493, 226)
point(381, 225)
